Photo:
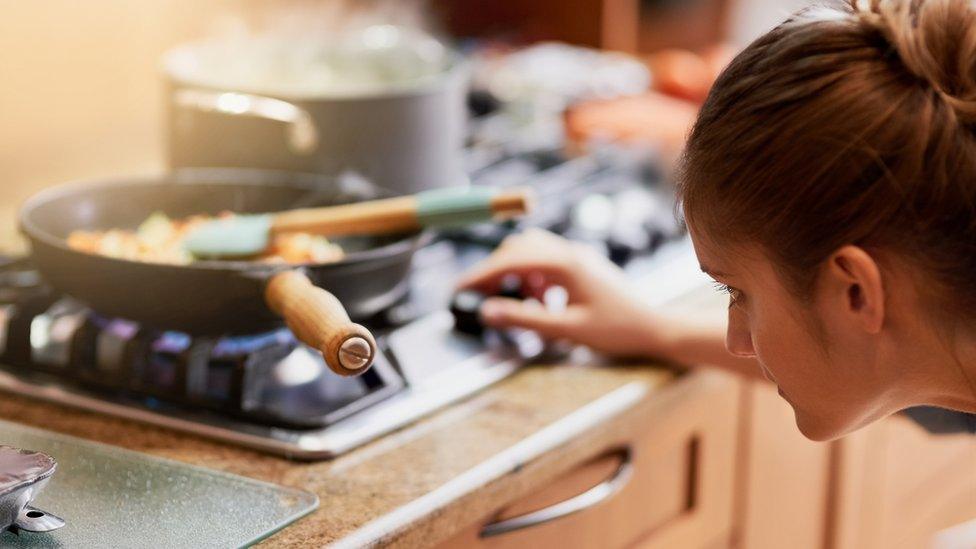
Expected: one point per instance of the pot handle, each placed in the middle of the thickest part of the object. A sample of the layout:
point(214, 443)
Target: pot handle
point(303, 138)
point(319, 320)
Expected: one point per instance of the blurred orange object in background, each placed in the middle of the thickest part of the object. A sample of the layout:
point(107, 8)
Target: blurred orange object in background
point(661, 118)
point(653, 118)
point(686, 74)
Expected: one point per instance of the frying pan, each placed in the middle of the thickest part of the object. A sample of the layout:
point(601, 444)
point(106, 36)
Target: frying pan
point(317, 301)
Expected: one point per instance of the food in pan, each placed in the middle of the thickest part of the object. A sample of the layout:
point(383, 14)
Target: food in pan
point(159, 239)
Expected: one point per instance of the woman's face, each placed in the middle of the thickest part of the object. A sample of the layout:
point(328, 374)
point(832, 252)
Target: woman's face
point(826, 375)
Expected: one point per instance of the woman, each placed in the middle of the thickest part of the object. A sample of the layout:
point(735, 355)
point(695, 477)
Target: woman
point(829, 185)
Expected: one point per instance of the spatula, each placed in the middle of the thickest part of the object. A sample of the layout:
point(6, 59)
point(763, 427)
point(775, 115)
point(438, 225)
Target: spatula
point(247, 235)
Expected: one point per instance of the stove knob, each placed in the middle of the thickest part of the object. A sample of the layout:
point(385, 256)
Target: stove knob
point(466, 304)
point(619, 252)
point(483, 102)
point(465, 307)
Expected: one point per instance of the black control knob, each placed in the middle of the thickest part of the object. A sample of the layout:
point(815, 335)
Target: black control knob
point(619, 252)
point(483, 102)
point(466, 306)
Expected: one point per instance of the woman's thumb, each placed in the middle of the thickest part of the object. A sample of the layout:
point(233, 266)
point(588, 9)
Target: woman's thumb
point(500, 312)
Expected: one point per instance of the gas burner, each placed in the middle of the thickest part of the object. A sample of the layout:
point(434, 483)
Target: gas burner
point(267, 378)
point(263, 390)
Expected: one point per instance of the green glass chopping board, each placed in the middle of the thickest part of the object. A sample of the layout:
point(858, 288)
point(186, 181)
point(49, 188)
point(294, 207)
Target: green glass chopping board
point(110, 497)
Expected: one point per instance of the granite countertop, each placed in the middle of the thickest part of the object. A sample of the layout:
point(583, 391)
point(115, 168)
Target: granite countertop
point(416, 484)
point(423, 483)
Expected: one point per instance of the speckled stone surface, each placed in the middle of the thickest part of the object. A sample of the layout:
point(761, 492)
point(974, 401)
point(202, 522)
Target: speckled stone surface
point(370, 482)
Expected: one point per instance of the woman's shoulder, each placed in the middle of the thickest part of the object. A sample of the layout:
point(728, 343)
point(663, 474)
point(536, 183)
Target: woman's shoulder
point(942, 421)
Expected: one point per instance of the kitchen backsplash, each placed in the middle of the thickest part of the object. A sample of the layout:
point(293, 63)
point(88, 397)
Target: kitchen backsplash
point(80, 92)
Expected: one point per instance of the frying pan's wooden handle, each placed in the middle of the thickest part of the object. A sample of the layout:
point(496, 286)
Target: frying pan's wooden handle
point(319, 320)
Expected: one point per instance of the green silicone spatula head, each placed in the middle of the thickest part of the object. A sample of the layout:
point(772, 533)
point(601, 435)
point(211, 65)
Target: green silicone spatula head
point(237, 236)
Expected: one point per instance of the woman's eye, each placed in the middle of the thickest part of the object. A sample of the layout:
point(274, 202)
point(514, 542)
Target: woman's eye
point(734, 294)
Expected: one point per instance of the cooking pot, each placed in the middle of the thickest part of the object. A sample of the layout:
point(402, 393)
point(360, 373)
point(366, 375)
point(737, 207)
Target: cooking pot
point(404, 136)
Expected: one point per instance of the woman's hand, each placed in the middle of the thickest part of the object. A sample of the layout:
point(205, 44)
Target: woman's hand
point(601, 312)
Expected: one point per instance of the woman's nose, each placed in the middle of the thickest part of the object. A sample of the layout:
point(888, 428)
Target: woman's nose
point(738, 338)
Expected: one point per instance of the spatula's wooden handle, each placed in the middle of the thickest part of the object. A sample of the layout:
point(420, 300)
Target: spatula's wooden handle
point(441, 207)
point(319, 320)
point(511, 203)
point(392, 215)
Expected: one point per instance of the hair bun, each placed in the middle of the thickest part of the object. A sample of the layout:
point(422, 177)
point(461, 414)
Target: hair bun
point(935, 40)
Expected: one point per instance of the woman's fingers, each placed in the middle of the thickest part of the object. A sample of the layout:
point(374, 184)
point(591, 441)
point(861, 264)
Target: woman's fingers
point(500, 312)
point(532, 253)
point(488, 274)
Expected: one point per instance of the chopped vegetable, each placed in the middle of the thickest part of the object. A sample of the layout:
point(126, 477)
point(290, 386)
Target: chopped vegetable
point(159, 239)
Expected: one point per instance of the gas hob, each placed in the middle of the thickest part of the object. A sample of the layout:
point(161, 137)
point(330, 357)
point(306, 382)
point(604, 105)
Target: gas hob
point(271, 393)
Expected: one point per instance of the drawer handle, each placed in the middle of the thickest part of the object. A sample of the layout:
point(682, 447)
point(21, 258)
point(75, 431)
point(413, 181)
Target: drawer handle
point(588, 499)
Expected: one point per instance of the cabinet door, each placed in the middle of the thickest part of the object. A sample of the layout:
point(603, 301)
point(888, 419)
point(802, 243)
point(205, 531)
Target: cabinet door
point(897, 485)
point(784, 477)
point(669, 485)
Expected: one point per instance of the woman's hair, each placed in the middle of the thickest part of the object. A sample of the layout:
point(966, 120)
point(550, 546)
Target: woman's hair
point(852, 124)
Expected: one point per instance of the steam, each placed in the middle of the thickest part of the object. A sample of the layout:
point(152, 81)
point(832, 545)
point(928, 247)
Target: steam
point(305, 47)
point(308, 18)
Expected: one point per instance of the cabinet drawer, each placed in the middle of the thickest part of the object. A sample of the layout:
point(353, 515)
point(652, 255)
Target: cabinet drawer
point(669, 485)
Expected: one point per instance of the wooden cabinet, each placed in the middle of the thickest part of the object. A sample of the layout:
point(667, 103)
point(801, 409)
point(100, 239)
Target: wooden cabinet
point(888, 486)
point(718, 463)
point(897, 486)
point(783, 477)
point(675, 488)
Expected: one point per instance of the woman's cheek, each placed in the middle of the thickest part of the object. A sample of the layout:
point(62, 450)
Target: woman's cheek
point(780, 345)
point(763, 338)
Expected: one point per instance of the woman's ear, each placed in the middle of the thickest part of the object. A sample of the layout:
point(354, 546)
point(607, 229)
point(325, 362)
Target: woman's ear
point(853, 281)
